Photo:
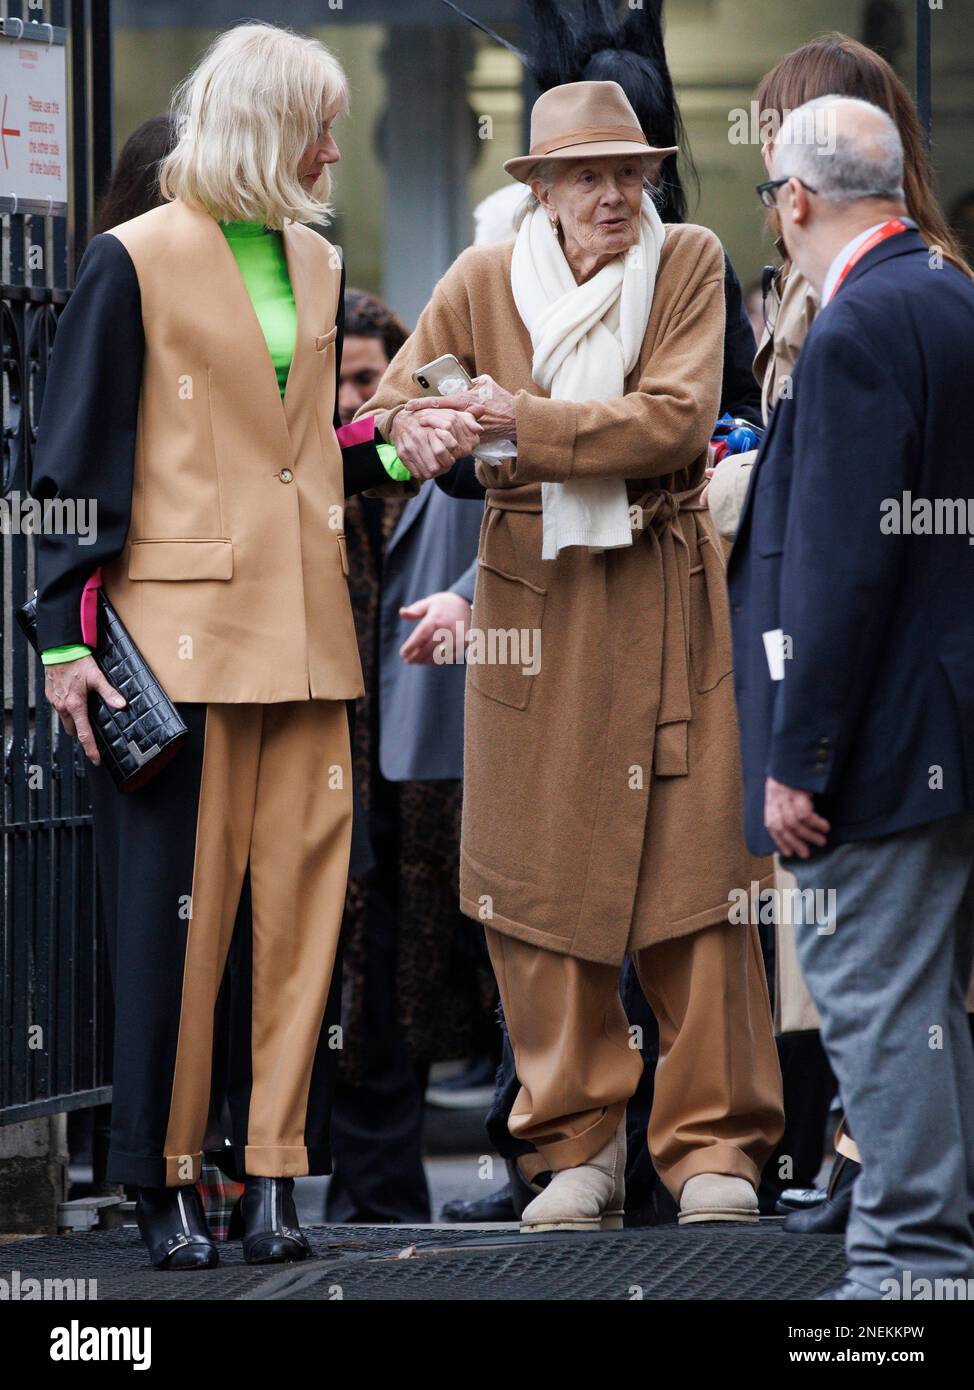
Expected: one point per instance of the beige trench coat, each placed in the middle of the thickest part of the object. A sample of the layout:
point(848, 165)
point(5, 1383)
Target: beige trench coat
point(602, 796)
point(790, 316)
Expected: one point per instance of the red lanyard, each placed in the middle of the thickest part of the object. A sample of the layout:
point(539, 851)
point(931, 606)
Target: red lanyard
point(883, 233)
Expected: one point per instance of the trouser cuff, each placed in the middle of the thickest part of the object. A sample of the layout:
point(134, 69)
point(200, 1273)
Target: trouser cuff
point(579, 1148)
point(725, 1159)
point(143, 1170)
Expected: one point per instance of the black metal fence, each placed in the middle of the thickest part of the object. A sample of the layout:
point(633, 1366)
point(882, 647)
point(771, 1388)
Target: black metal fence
point(54, 996)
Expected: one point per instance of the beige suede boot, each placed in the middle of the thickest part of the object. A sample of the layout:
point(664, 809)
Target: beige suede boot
point(587, 1198)
point(717, 1197)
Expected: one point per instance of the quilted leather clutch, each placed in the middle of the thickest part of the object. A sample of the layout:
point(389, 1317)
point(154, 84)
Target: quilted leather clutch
point(134, 742)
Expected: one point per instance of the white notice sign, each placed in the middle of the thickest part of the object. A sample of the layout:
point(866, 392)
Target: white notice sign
point(33, 121)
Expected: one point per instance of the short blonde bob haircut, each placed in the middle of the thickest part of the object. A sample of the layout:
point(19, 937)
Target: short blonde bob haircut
point(244, 117)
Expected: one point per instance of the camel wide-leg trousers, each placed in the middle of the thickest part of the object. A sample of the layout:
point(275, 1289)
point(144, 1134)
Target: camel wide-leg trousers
point(228, 871)
point(717, 1104)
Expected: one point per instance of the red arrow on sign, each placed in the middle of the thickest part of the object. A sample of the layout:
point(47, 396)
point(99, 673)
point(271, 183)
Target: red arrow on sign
point(5, 130)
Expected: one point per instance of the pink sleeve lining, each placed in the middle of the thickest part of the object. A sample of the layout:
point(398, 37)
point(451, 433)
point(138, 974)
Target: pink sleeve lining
point(357, 432)
point(89, 610)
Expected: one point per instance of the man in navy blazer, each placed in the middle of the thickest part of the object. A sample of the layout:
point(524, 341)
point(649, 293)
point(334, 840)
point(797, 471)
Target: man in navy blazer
point(851, 587)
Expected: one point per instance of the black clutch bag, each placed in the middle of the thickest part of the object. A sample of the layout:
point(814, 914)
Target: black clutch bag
point(134, 742)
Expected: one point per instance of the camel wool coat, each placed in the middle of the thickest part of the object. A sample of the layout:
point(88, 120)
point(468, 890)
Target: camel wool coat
point(602, 796)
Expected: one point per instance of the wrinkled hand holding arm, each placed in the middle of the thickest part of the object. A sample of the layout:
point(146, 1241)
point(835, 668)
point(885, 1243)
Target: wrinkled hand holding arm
point(430, 440)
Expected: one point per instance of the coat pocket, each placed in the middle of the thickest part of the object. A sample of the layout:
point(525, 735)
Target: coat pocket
point(181, 559)
point(504, 654)
point(711, 647)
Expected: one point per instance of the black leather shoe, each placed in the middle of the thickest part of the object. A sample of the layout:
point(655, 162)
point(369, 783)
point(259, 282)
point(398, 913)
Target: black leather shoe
point(496, 1206)
point(173, 1225)
point(829, 1218)
point(799, 1199)
point(265, 1218)
point(848, 1291)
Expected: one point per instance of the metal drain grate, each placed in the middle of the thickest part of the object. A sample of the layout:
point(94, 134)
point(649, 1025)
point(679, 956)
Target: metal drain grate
point(760, 1263)
point(360, 1262)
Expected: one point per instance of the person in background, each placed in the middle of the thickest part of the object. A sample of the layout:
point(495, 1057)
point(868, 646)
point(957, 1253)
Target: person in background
point(835, 64)
point(856, 716)
point(134, 185)
point(414, 989)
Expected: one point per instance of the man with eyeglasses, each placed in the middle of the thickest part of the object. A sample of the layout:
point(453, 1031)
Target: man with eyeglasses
point(854, 674)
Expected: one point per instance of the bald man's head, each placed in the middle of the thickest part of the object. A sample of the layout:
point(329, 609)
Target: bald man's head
point(843, 148)
point(840, 163)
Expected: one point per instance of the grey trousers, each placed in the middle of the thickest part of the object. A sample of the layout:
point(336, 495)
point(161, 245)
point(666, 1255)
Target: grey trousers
point(889, 982)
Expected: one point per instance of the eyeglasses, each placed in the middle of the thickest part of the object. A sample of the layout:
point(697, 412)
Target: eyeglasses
point(768, 192)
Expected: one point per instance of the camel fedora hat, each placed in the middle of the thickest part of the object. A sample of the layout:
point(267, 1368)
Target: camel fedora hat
point(583, 120)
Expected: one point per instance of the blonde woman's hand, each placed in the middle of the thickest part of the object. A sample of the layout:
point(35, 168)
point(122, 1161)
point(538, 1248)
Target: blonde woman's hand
point(66, 685)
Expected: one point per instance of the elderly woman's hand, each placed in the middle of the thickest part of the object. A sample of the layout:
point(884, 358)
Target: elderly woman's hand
point(429, 440)
point(496, 417)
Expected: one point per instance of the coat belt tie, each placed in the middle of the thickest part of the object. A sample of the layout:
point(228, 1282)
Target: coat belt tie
point(661, 513)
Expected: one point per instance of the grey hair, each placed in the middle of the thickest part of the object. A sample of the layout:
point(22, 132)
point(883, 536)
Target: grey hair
point(864, 161)
point(545, 171)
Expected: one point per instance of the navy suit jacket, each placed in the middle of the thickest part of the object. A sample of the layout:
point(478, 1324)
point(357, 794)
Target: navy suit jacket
point(875, 713)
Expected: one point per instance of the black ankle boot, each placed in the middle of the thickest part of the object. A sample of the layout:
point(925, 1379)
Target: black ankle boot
point(266, 1219)
point(173, 1225)
point(829, 1218)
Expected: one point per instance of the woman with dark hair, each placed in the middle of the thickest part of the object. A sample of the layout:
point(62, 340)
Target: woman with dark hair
point(134, 187)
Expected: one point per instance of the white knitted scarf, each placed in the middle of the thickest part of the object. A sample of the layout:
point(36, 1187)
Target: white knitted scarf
point(586, 340)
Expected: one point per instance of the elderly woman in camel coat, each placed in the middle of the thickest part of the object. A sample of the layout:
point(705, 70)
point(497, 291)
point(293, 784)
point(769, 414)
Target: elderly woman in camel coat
point(602, 801)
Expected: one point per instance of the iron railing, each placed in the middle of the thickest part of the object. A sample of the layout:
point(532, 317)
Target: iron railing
point(54, 996)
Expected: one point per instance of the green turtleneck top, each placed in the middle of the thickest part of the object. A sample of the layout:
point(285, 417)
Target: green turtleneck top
point(259, 253)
